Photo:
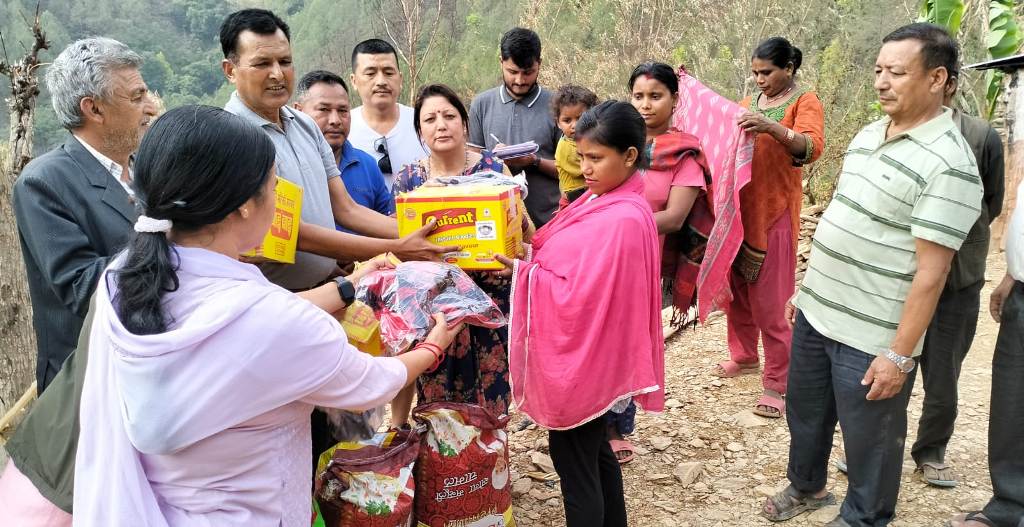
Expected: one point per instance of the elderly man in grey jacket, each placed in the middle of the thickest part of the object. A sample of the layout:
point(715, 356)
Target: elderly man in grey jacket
point(74, 205)
point(75, 211)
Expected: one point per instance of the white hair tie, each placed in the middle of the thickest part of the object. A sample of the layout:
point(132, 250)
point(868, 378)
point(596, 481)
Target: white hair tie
point(147, 224)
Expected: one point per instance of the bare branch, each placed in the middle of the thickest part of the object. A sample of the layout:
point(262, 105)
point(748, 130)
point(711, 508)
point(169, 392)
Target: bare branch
point(387, 29)
point(433, 33)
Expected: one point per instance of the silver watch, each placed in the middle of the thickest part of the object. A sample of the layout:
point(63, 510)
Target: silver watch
point(905, 364)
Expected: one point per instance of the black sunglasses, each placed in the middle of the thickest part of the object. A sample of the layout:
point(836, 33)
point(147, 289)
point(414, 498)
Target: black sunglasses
point(384, 163)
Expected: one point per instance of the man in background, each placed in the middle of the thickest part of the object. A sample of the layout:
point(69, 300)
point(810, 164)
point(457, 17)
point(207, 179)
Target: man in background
point(382, 126)
point(519, 111)
point(952, 329)
point(323, 96)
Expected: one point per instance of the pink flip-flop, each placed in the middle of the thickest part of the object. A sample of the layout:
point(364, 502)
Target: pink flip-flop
point(621, 445)
point(728, 369)
point(770, 401)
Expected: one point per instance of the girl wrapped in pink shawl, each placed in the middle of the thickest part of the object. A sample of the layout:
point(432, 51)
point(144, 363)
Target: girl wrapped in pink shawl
point(585, 326)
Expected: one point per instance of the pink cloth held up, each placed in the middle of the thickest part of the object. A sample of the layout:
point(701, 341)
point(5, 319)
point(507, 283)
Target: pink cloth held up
point(729, 151)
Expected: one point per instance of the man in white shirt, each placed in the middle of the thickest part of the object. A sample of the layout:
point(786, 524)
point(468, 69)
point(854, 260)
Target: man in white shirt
point(381, 126)
point(1006, 417)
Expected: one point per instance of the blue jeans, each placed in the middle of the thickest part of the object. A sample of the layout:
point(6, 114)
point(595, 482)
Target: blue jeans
point(825, 389)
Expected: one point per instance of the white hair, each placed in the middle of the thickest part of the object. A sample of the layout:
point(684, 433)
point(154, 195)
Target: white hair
point(83, 70)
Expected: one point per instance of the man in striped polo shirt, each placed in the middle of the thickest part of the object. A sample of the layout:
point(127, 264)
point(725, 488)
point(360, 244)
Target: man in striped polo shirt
point(908, 194)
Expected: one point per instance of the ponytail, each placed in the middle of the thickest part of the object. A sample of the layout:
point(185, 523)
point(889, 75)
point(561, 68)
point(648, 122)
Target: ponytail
point(147, 274)
point(195, 166)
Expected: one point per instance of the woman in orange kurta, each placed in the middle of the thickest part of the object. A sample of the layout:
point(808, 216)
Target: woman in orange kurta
point(789, 123)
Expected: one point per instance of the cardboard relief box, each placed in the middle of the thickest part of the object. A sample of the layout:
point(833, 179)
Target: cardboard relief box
point(483, 220)
point(280, 242)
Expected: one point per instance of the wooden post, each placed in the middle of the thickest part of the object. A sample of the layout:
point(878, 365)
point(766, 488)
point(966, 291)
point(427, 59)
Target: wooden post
point(17, 338)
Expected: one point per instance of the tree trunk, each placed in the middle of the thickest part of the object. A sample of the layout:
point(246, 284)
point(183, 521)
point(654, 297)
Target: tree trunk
point(17, 339)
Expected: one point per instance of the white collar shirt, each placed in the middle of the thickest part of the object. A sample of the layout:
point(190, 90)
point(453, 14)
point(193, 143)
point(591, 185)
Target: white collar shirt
point(1015, 239)
point(113, 167)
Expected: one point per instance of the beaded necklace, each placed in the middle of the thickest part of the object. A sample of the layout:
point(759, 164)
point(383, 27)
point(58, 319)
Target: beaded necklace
point(430, 166)
point(776, 113)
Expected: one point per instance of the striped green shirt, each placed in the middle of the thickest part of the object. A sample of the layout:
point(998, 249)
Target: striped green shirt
point(920, 184)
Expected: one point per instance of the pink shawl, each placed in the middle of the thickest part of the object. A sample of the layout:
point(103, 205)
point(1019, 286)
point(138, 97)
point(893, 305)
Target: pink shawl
point(729, 151)
point(585, 323)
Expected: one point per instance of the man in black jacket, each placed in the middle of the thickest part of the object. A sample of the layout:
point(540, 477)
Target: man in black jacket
point(75, 211)
point(952, 329)
point(74, 204)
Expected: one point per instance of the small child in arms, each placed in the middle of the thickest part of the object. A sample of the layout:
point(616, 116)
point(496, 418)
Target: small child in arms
point(567, 106)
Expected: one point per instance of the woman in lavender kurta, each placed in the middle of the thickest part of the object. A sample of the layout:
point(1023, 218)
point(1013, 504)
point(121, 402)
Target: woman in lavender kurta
point(202, 374)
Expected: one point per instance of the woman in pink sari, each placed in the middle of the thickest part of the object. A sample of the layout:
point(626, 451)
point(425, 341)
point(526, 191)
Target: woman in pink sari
point(585, 325)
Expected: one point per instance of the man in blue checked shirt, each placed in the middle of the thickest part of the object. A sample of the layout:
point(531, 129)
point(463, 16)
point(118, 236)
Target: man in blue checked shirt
point(323, 96)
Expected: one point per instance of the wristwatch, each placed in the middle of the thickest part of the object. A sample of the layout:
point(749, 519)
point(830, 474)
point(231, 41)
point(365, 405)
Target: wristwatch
point(346, 290)
point(905, 364)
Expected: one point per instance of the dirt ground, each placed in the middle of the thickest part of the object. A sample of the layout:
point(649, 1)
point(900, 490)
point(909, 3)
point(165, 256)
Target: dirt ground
point(739, 458)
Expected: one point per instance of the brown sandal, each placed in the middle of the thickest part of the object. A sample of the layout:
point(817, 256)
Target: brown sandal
point(790, 502)
point(932, 472)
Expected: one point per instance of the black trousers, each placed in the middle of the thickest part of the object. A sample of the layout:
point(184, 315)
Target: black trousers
point(1006, 420)
point(824, 388)
point(946, 344)
point(320, 432)
point(590, 474)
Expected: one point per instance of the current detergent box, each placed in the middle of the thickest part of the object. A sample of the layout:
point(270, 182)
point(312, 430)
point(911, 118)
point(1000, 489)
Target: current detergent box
point(362, 328)
point(483, 220)
point(280, 242)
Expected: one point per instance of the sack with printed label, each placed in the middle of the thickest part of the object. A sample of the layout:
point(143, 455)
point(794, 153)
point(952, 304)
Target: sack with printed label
point(369, 483)
point(462, 474)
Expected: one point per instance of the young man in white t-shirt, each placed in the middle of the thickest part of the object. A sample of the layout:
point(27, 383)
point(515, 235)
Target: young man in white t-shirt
point(381, 126)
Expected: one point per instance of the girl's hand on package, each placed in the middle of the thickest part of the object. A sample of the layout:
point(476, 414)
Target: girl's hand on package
point(377, 263)
point(441, 334)
point(507, 262)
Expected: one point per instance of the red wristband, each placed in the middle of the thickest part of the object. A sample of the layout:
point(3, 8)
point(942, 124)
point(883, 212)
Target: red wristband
point(436, 351)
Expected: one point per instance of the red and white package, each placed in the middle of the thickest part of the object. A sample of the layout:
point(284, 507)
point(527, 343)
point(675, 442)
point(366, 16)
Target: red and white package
point(404, 298)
